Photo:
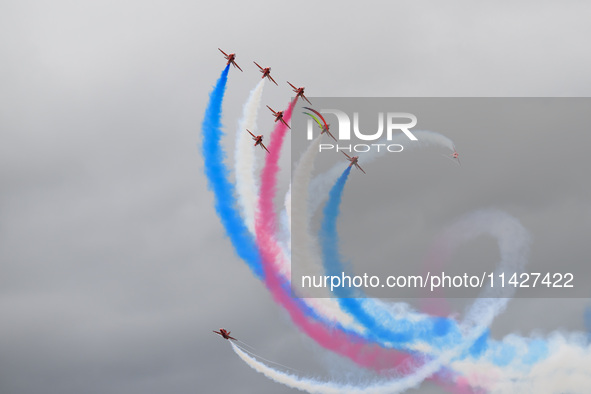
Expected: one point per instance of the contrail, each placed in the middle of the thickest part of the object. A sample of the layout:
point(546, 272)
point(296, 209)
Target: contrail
point(217, 177)
point(244, 157)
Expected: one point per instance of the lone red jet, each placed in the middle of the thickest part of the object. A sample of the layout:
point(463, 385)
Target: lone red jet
point(299, 92)
point(266, 72)
point(231, 59)
point(354, 161)
point(225, 334)
point(454, 157)
point(324, 127)
point(278, 116)
point(258, 140)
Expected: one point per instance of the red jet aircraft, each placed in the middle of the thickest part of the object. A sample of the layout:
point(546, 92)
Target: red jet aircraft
point(278, 116)
point(454, 157)
point(299, 92)
point(325, 127)
point(258, 140)
point(353, 161)
point(266, 72)
point(225, 334)
point(231, 59)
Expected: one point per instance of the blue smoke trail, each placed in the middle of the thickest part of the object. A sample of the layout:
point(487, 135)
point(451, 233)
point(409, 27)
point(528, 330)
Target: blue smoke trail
point(217, 177)
point(430, 329)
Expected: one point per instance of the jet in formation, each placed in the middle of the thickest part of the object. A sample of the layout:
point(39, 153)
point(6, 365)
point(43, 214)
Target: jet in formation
point(231, 59)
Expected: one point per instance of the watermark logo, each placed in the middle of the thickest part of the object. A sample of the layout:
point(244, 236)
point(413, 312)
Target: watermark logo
point(390, 123)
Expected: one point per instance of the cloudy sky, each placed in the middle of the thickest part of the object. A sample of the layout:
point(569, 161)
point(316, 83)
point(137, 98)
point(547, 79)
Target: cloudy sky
point(113, 266)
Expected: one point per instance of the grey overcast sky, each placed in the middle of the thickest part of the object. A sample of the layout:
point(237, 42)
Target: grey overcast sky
point(113, 266)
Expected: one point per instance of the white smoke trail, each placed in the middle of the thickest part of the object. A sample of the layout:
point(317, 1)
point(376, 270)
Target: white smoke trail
point(396, 385)
point(513, 243)
point(513, 240)
point(297, 211)
point(244, 157)
point(256, 356)
point(565, 369)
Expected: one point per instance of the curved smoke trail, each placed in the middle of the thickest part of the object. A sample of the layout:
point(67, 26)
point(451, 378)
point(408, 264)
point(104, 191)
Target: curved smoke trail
point(217, 177)
point(566, 370)
point(389, 386)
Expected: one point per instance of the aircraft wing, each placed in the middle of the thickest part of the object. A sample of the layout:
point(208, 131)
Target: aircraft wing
point(455, 152)
point(305, 98)
point(225, 54)
point(358, 166)
point(237, 66)
point(292, 86)
point(349, 157)
point(329, 133)
point(264, 147)
point(283, 121)
point(251, 133)
point(271, 78)
point(258, 65)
